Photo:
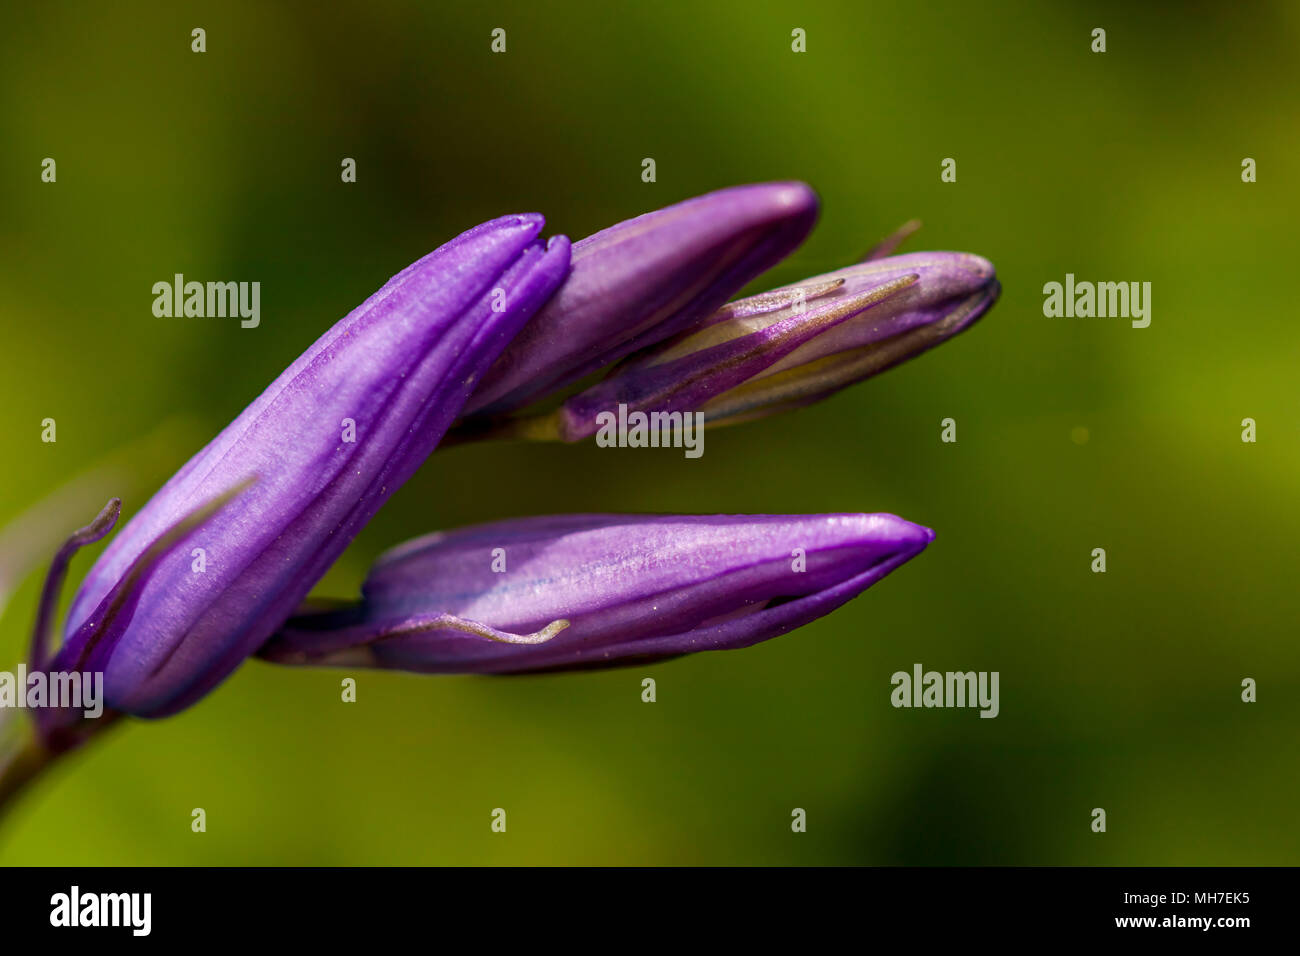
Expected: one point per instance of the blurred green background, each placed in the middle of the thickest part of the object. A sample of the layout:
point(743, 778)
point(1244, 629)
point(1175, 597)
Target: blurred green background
point(1119, 691)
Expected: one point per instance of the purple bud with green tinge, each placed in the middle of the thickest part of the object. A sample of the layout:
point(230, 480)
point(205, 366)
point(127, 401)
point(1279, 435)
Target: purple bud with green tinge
point(795, 345)
point(575, 591)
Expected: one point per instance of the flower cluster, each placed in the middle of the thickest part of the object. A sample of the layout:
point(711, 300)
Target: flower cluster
point(468, 338)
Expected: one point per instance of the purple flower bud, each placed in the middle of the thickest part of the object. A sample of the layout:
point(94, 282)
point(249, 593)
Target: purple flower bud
point(193, 585)
point(592, 590)
point(792, 346)
point(644, 280)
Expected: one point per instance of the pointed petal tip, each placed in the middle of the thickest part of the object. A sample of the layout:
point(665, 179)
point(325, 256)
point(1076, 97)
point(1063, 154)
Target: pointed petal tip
point(970, 268)
point(787, 203)
point(911, 533)
point(906, 536)
point(534, 221)
point(965, 271)
point(791, 204)
point(977, 265)
point(488, 247)
point(922, 536)
point(522, 227)
point(792, 196)
point(880, 531)
point(555, 262)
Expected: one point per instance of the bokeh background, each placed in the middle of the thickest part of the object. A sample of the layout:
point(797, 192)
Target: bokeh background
point(1119, 691)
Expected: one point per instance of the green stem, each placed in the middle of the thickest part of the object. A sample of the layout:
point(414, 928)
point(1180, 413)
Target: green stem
point(22, 758)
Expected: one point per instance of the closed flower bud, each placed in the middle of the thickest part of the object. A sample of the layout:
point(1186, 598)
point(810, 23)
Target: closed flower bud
point(225, 551)
point(643, 281)
point(579, 591)
point(792, 346)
